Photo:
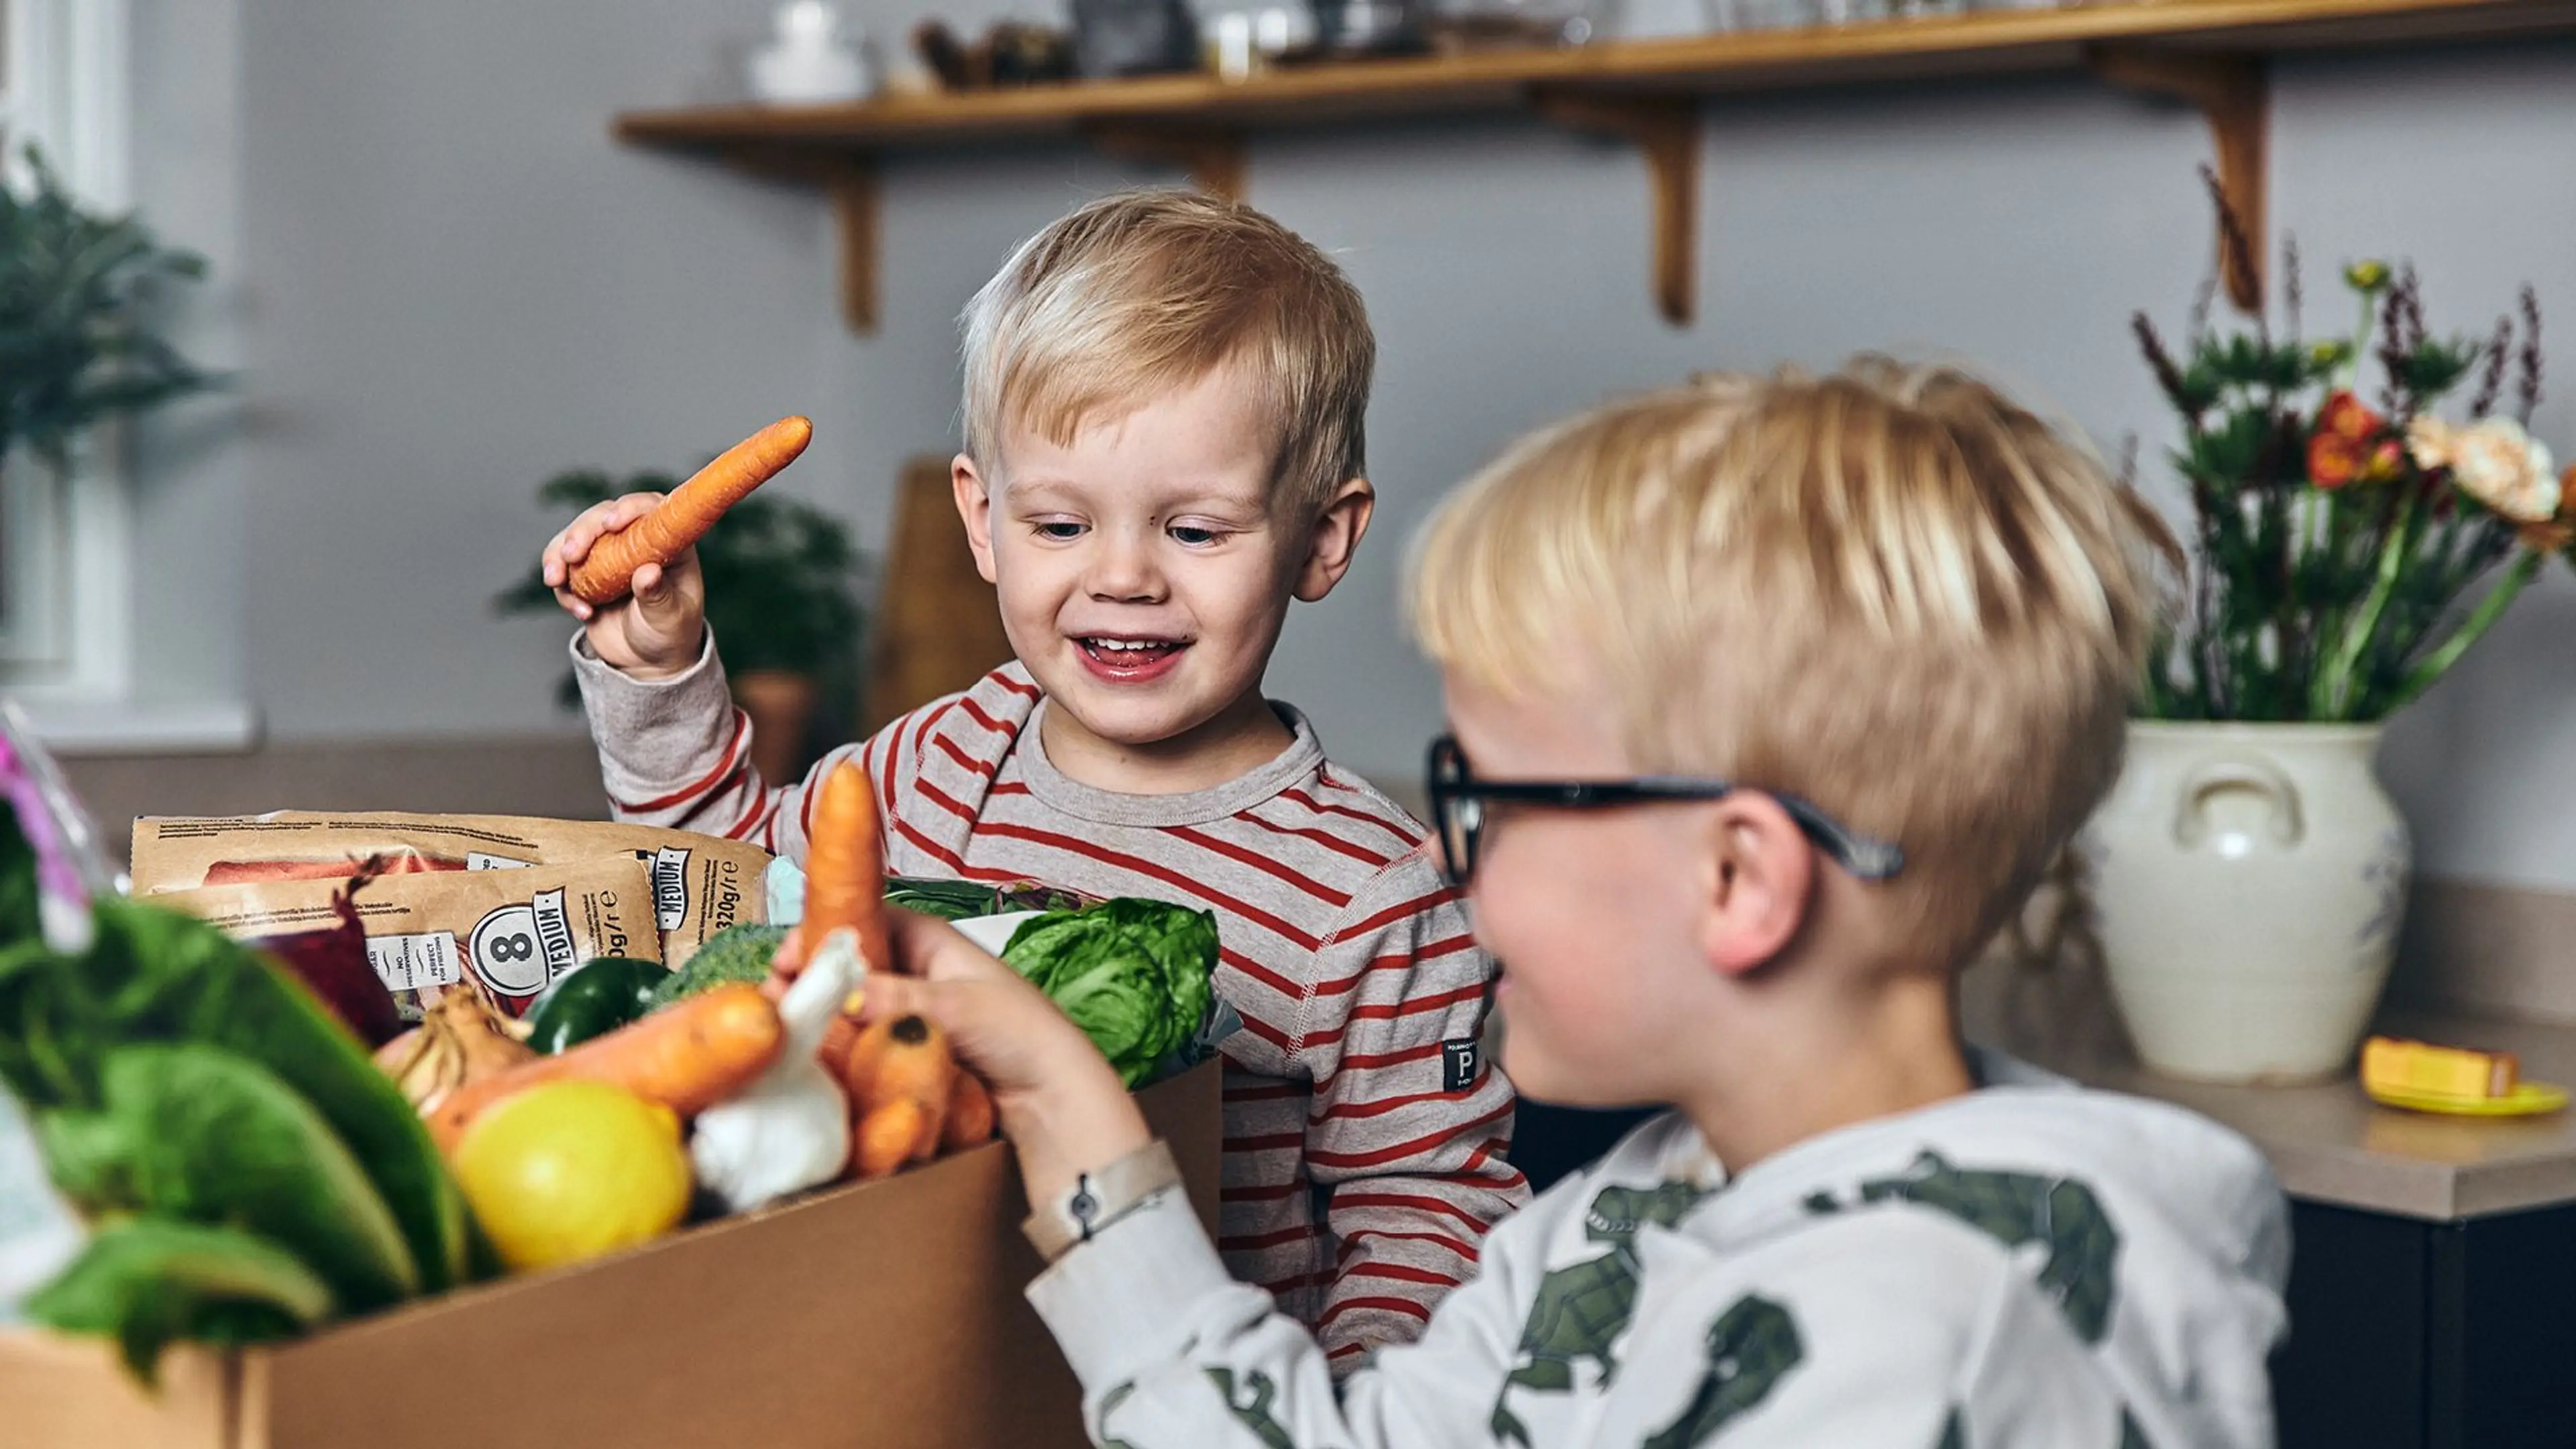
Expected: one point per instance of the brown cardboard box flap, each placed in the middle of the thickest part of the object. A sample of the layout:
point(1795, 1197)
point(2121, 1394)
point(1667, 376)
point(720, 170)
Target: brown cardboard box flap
point(67, 1393)
point(890, 1314)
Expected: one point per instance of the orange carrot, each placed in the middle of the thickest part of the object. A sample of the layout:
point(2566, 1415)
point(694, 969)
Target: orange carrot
point(838, 1039)
point(606, 574)
point(970, 1113)
point(888, 1138)
point(845, 867)
point(904, 1058)
point(688, 1057)
point(902, 1062)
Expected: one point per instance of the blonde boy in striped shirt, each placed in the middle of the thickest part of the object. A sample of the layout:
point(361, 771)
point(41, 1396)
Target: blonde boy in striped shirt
point(1164, 404)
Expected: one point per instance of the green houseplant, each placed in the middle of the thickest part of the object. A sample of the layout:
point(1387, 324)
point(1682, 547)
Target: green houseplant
point(77, 344)
point(783, 581)
point(2364, 508)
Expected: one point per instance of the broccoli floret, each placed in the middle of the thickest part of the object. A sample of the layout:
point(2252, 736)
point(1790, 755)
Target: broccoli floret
point(736, 953)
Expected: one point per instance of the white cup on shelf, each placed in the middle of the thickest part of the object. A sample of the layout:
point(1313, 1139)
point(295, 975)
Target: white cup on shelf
point(808, 60)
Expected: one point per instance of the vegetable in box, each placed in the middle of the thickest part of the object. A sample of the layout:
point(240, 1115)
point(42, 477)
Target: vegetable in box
point(1133, 974)
point(246, 1171)
point(515, 931)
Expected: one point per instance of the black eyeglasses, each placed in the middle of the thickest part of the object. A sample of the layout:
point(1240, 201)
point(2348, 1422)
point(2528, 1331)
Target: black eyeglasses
point(1458, 810)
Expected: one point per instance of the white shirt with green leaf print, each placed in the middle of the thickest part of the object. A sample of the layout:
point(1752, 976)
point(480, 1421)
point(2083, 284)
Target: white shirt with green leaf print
point(2028, 1265)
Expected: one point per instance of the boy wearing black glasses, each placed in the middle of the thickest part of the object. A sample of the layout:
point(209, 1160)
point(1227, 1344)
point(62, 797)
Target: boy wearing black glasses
point(1771, 699)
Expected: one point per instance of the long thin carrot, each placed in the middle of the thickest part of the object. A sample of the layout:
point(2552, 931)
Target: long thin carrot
point(688, 1057)
point(845, 867)
point(606, 574)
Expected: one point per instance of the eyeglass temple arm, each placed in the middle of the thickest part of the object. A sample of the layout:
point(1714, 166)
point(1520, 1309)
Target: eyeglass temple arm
point(1864, 857)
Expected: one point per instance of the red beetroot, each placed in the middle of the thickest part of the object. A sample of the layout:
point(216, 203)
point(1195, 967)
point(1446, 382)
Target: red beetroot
point(332, 962)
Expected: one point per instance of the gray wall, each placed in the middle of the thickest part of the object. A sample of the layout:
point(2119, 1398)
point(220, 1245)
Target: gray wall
point(442, 282)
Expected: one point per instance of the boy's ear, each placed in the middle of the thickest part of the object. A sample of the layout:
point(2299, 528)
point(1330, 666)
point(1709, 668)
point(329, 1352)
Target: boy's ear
point(1336, 537)
point(1763, 878)
point(975, 509)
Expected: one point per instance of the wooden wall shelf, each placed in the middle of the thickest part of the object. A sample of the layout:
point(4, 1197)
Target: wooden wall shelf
point(2206, 53)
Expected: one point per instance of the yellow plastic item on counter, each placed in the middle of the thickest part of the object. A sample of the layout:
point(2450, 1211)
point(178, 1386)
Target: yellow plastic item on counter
point(2527, 1100)
point(2391, 1064)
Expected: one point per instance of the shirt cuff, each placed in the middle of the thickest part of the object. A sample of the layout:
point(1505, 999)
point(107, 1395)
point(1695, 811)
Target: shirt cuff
point(1125, 1298)
point(612, 696)
point(590, 668)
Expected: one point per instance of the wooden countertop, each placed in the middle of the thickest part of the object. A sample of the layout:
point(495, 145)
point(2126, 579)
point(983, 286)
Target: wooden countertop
point(2331, 1144)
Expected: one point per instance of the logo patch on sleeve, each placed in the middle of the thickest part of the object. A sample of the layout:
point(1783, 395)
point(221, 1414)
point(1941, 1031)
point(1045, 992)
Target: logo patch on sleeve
point(1461, 1059)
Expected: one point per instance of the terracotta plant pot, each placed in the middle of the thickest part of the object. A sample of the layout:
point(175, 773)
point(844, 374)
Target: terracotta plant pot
point(781, 706)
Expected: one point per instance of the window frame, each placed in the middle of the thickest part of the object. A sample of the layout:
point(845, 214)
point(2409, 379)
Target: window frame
point(66, 85)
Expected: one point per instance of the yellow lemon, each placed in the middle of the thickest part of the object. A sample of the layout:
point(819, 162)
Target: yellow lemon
point(569, 1171)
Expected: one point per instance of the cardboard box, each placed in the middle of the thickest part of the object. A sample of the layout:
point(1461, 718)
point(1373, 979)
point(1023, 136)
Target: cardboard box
point(888, 1314)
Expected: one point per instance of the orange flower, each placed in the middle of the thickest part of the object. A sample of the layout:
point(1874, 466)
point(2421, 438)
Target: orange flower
point(2385, 461)
point(2335, 460)
point(2559, 533)
point(2550, 537)
point(2345, 417)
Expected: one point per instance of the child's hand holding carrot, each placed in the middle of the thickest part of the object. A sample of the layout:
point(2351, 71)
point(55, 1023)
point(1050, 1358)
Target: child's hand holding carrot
point(641, 550)
point(661, 627)
point(1059, 1101)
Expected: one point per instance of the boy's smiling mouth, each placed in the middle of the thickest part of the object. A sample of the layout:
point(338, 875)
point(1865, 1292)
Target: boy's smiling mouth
point(1129, 658)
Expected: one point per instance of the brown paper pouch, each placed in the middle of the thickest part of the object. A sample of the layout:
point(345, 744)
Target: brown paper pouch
point(701, 883)
point(515, 930)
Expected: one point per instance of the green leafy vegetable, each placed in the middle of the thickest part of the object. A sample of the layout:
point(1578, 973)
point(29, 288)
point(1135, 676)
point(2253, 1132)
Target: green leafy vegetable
point(247, 1172)
point(958, 900)
point(1133, 974)
point(949, 900)
point(199, 1134)
point(148, 1281)
point(736, 953)
point(156, 976)
point(20, 917)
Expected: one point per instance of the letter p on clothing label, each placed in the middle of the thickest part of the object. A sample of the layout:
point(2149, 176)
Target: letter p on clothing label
point(1460, 1060)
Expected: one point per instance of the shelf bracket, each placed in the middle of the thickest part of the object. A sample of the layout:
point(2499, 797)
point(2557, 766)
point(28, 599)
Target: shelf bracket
point(2234, 93)
point(852, 187)
point(1666, 133)
point(849, 184)
point(1213, 157)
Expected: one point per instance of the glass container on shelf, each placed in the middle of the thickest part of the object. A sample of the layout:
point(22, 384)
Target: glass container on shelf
point(1346, 28)
point(1767, 14)
point(1243, 40)
point(1460, 25)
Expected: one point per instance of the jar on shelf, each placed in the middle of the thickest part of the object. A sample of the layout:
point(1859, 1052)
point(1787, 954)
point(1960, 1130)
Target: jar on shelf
point(1461, 25)
point(1115, 38)
point(1658, 19)
point(1369, 27)
point(1240, 39)
point(1769, 14)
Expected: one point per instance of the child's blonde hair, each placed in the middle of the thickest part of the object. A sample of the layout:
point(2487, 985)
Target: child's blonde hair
point(1149, 290)
point(1890, 591)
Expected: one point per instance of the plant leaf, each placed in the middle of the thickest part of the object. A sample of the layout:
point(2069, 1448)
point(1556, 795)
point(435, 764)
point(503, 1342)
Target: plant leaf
point(148, 1282)
point(199, 1134)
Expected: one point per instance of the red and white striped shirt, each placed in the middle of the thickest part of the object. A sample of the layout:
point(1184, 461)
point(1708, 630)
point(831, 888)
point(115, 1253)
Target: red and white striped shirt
point(1358, 1182)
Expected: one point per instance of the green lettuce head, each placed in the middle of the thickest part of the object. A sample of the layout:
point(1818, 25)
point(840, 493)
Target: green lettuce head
point(1133, 974)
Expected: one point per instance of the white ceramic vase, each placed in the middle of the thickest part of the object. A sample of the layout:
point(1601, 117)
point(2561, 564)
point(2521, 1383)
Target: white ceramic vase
point(2250, 880)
